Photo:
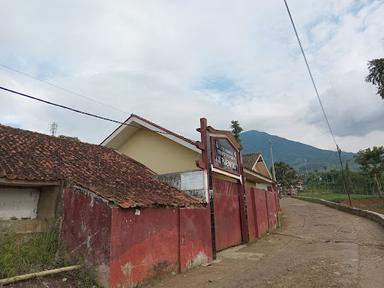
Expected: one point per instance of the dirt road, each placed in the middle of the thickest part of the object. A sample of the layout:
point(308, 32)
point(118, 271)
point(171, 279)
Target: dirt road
point(317, 247)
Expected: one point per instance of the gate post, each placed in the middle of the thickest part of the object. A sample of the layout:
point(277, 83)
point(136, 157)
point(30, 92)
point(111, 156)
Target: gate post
point(204, 164)
point(243, 205)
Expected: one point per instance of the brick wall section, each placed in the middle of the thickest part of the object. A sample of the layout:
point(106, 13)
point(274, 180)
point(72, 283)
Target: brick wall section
point(195, 237)
point(86, 229)
point(128, 246)
point(159, 240)
point(144, 245)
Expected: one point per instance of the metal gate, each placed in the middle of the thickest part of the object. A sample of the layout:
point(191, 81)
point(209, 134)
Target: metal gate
point(227, 214)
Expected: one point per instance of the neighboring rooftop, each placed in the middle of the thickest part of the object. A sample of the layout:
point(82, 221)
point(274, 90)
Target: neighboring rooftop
point(35, 157)
point(249, 160)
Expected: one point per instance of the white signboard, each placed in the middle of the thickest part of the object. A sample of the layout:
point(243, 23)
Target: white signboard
point(193, 180)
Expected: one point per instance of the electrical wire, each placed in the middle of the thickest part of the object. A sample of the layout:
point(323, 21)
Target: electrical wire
point(61, 88)
point(319, 99)
point(310, 75)
point(74, 109)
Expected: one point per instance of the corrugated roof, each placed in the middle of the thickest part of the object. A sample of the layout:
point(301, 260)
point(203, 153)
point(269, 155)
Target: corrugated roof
point(31, 156)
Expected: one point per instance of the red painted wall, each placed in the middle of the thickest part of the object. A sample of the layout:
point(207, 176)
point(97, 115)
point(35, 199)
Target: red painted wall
point(86, 228)
point(195, 237)
point(261, 211)
point(159, 240)
point(143, 245)
point(227, 214)
point(272, 208)
point(251, 212)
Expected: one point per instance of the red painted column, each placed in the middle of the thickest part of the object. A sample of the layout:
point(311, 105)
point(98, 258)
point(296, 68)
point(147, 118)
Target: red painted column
point(254, 211)
point(266, 203)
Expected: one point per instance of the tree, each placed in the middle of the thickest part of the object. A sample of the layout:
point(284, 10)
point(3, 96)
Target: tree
point(286, 176)
point(376, 75)
point(372, 162)
point(236, 129)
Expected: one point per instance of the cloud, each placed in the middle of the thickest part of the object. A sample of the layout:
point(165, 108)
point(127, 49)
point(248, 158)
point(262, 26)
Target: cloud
point(174, 62)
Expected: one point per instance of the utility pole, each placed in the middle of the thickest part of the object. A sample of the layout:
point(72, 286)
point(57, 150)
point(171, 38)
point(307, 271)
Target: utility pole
point(53, 128)
point(271, 158)
point(343, 177)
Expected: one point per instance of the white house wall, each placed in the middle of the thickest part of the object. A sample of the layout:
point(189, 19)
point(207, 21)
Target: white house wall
point(18, 203)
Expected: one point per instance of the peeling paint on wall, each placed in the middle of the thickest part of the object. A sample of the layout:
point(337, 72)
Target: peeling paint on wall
point(127, 269)
point(200, 258)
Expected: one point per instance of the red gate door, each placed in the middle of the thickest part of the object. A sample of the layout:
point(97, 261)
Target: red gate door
point(227, 214)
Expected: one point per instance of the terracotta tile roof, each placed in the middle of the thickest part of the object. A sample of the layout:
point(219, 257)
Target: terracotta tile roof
point(31, 156)
point(250, 159)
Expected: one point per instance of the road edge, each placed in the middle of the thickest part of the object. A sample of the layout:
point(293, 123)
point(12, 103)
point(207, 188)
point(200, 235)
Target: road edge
point(374, 216)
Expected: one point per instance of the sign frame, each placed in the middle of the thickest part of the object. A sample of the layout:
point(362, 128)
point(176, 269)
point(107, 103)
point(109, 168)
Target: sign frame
point(213, 139)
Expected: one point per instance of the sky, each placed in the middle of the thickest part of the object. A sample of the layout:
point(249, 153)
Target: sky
point(173, 62)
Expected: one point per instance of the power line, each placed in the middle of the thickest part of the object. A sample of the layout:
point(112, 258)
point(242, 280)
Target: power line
point(73, 109)
point(310, 75)
point(62, 88)
point(320, 102)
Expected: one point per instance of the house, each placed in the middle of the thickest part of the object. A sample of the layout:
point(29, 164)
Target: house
point(172, 156)
point(156, 147)
point(210, 169)
point(256, 171)
point(112, 211)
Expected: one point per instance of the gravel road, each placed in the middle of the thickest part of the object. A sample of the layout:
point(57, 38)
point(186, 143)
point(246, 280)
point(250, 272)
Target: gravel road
point(316, 247)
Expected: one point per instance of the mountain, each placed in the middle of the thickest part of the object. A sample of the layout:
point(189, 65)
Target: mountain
point(300, 156)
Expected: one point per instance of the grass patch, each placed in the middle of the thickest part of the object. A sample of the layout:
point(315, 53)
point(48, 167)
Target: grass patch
point(37, 252)
point(30, 254)
point(336, 197)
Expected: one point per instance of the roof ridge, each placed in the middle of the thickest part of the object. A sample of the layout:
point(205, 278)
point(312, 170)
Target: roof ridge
point(190, 141)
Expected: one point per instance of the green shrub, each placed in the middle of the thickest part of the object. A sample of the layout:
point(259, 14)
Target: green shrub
point(28, 254)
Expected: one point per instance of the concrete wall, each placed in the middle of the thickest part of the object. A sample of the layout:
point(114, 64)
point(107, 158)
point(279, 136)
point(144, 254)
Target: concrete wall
point(25, 210)
point(195, 237)
point(272, 209)
point(154, 241)
point(144, 243)
point(159, 153)
point(128, 246)
point(190, 182)
point(86, 230)
point(251, 213)
point(262, 211)
point(374, 216)
point(18, 203)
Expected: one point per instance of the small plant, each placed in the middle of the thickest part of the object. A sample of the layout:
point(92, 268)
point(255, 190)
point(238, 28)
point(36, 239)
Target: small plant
point(29, 254)
point(85, 278)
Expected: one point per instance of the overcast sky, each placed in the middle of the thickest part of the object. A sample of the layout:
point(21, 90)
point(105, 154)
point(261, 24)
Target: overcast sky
point(176, 61)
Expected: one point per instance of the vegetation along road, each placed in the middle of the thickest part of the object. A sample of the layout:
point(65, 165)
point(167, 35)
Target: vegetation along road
point(316, 247)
